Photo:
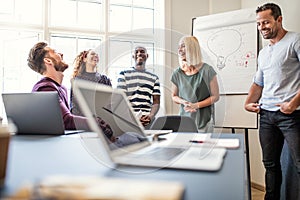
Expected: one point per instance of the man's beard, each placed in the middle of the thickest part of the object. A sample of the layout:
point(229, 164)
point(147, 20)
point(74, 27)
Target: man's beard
point(272, 33)
point(59, 66)
point(140, 61)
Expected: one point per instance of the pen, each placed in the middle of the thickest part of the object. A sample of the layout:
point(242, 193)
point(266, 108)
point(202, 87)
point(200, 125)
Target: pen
point(202, 141)
point(196, 141)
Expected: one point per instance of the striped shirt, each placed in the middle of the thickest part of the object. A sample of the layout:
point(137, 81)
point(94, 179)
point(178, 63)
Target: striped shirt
point(139, 86)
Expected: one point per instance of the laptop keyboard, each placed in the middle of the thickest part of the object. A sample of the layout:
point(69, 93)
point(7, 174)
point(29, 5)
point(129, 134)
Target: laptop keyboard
point(159, 153)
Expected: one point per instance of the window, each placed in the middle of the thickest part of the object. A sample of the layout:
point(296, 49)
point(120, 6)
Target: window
point(13, 11)
point(80, 13)
point(112, 27)
point(135, 15)
point(70, 45)
point(120, 56)
point(15, 75)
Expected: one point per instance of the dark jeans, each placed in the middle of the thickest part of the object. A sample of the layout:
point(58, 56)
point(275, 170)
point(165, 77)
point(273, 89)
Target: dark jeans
point(290, 188)
point(275, 127)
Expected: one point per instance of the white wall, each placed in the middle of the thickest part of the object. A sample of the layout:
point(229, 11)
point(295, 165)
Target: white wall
point(290, 11)
point(180, 23)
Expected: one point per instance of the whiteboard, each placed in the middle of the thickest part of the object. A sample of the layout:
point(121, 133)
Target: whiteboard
point(229, 43)
point(230, 112)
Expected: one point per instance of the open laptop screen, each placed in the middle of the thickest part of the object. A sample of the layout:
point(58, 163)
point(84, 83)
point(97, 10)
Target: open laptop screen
point(112, 106)
point(34, 113)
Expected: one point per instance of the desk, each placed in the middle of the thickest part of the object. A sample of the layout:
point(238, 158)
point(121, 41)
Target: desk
point(33, 157)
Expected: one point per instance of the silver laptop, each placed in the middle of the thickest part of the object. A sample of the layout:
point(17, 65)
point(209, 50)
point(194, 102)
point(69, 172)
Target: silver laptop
point(35, 113)
point(132, 146)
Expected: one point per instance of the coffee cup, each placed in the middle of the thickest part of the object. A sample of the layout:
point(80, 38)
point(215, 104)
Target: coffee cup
point(4, 146)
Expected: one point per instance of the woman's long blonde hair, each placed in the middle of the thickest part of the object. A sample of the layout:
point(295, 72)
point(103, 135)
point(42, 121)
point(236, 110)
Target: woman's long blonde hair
point(192, 50)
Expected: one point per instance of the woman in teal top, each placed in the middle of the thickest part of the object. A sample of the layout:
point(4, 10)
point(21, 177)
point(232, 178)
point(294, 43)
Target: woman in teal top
point(194, 84)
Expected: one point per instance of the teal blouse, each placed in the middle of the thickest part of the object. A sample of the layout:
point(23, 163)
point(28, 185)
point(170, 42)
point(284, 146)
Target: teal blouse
point(195, 88)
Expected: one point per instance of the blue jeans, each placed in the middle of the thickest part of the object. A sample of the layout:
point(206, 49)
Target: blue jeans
point(275, 127)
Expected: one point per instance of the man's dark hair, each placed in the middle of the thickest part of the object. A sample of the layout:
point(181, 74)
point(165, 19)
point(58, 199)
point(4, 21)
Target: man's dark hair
point(36, 57)
point(276, 11)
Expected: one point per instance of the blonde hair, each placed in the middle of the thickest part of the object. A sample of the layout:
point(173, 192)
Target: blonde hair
point(192, 50)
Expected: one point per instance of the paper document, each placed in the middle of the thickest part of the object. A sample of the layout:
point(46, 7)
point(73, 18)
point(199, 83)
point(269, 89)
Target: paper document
point(157, 132)
point(199, 139)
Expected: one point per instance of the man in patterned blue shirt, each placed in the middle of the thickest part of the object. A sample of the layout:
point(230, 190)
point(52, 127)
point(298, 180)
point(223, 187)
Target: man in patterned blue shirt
point(141, 87)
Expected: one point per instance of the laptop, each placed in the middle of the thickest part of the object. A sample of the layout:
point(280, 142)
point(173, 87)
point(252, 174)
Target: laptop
point(35, 113)
point(132, 146)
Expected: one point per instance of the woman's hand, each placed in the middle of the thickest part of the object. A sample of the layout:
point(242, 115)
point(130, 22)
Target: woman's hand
point(191, 107)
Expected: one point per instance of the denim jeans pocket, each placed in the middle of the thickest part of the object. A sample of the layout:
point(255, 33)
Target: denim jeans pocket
point(261, 112)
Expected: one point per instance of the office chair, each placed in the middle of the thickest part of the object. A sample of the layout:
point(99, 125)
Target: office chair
point(176, 123)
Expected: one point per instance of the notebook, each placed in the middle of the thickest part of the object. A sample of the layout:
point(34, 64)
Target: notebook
point(35, 113)
point(132, 146)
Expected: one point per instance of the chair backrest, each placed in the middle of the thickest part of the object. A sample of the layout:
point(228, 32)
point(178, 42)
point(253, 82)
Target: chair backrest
point(176, 123)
